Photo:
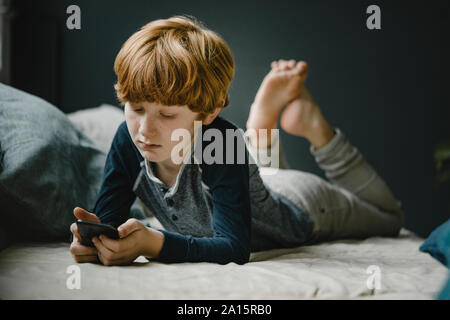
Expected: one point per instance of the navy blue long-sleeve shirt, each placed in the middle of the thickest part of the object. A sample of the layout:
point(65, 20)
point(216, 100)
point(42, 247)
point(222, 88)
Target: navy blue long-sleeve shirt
point(205, 214)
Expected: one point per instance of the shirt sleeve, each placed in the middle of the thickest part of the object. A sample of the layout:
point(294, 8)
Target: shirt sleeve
point(231, 222)
point(116, 193)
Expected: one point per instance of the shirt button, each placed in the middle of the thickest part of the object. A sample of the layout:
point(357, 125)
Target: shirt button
point(170, 202)
point(174, 218)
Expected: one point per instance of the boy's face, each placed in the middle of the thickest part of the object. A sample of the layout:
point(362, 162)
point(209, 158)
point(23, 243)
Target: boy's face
point(151, 126)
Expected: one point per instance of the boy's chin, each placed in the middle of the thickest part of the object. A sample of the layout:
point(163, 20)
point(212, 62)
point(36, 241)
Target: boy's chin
point(151, 156)
point(156, 157)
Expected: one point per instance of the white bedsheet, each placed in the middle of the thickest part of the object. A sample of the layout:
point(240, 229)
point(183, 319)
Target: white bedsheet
point(334, 270)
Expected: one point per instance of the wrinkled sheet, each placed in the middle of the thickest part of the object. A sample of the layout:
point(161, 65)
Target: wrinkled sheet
point(333, 270)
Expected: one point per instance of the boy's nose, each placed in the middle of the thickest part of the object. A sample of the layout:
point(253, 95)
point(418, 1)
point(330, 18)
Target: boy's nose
point(147, 127)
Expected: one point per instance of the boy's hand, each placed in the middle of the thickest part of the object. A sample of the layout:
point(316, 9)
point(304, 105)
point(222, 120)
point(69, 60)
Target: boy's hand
point(135, 240)
point(80, 252)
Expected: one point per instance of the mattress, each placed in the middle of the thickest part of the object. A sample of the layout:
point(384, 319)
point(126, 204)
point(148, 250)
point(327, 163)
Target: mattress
point(374, 268)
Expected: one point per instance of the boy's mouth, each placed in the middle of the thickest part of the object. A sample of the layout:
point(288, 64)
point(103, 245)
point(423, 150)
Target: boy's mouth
point(149, 145)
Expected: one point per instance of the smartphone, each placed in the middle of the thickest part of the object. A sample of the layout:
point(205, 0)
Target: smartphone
point(88, 229)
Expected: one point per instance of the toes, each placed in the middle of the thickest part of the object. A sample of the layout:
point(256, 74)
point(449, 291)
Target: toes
point(279, 65)
point(302, 68)
point(285, 65)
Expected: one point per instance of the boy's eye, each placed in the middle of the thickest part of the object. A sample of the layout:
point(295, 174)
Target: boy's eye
point(138, 110)
point(164, 115)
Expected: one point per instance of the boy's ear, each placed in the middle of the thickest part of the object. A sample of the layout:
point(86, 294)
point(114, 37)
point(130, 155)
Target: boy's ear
point(210, 117)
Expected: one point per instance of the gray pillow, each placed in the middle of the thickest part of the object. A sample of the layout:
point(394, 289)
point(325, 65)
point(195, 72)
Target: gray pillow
point(99, 123)
point(47, 167)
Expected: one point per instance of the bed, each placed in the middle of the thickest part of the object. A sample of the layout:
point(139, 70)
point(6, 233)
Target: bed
point(335, 270)
point(374, 268)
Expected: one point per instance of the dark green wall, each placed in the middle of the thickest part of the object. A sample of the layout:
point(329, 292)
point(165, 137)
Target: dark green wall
point(386, 89)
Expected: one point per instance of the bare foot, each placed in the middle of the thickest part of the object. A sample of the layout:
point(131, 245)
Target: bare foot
point(280, 86)
point(302, 117)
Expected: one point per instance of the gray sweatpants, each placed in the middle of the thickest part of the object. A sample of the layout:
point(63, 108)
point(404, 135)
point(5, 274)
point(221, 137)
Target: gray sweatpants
point(354, 203)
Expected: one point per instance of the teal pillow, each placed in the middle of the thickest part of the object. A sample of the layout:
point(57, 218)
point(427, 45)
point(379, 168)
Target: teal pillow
point(438, 246)
point(438, 243)
point(444, 246)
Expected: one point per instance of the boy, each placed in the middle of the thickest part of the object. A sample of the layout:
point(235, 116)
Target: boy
point(175, 72)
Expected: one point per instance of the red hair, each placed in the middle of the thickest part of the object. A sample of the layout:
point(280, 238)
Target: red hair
point(175, 61)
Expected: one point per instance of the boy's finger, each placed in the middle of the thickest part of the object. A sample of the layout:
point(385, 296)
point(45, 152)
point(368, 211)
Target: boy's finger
point(109, 243)
point(82, 214)
point(83, 259)
point(105, 252)
point(129, 227)
point(109, 262)
point(78, 249)
point(74, 230)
